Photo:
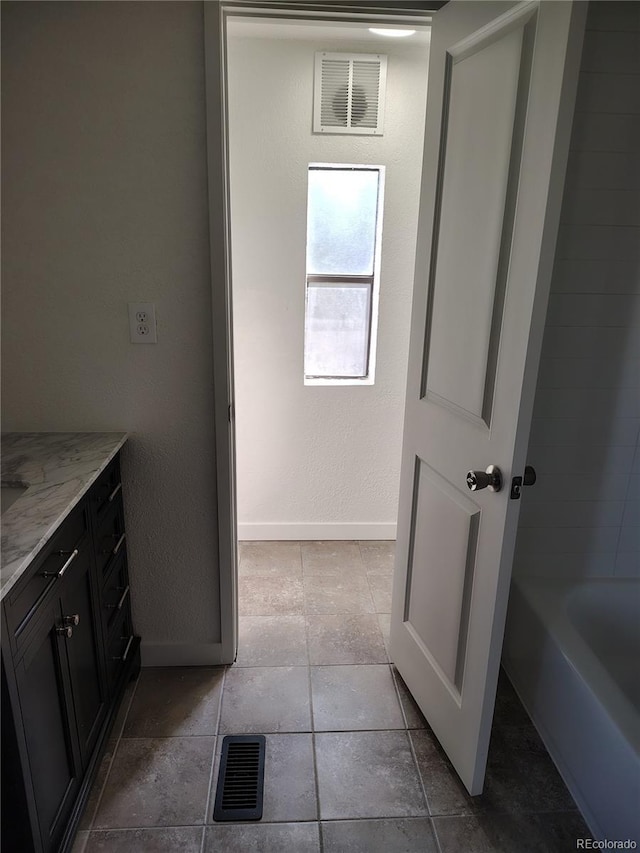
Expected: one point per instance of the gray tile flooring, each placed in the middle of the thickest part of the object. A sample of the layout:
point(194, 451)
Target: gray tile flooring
point(351, 765)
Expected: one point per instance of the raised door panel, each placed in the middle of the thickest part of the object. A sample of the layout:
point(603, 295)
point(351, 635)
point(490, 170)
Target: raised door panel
point(481, 135)
point(441, 569)
point(49, 728)
point(84, 650)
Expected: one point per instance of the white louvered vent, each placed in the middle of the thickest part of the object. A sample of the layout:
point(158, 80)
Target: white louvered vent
point(349, 90)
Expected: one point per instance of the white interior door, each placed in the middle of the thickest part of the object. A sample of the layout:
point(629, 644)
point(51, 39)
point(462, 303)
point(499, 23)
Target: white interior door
point(502, 82)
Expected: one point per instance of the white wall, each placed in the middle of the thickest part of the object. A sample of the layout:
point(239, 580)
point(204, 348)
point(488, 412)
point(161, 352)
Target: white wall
point(582, 518)
point(105, 202)
point(314, 462)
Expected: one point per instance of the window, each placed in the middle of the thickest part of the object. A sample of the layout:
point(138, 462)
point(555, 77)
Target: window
point(344, 223)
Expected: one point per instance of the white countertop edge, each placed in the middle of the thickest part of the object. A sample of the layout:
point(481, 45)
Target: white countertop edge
point(20, 564)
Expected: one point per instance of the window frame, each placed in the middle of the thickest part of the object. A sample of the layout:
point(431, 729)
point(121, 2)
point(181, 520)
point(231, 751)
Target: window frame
point(344, 280)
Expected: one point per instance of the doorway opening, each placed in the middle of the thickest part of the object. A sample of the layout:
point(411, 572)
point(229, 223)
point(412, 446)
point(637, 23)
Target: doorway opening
point(323, 236)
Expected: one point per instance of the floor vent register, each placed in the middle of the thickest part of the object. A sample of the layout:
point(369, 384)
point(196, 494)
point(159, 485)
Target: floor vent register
point(241, 778)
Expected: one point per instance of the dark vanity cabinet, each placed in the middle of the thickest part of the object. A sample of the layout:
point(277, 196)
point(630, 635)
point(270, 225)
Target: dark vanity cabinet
point(68, 649)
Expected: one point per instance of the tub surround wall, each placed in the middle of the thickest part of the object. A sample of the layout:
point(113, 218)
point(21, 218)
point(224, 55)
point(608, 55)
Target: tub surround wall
point(579, 532)
point(582, 518)
point(104, 201)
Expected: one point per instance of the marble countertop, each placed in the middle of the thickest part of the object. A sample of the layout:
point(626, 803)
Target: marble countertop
point(57, 468)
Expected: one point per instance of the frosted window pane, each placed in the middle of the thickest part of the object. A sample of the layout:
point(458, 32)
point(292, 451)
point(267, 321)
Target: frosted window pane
point(336, 340)
point(341, 221)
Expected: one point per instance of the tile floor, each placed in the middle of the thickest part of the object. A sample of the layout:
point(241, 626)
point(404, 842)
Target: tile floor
point(351, 765)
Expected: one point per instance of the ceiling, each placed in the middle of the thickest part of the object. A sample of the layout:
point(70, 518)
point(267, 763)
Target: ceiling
point(264, 28)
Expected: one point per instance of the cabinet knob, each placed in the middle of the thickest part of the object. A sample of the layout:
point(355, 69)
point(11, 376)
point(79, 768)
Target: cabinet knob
point(71, 620)
point(65, 631)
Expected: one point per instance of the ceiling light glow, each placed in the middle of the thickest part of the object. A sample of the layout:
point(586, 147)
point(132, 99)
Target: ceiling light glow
point(392, 33)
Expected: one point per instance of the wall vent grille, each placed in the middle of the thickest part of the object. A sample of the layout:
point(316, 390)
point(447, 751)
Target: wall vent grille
point(349, 92)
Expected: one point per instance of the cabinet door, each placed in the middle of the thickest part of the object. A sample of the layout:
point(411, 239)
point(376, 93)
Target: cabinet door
point(45, 699)
point(84, 651)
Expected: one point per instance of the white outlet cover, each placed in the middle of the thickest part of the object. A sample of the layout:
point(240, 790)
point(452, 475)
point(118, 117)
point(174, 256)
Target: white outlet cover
point(142, 323)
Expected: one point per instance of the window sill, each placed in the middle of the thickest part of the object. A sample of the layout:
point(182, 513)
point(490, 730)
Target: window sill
point(338, 382)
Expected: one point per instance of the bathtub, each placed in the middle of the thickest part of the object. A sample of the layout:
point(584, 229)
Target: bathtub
point(572, 652)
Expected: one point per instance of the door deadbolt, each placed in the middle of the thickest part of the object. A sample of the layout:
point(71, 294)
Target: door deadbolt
point(518, 482)
point(490, 479)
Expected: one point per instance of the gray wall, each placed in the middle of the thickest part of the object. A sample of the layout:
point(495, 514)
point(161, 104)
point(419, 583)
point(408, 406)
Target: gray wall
point(582, 518)
point(105, 202)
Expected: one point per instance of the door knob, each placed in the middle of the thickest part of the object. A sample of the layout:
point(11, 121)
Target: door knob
point(490, 479)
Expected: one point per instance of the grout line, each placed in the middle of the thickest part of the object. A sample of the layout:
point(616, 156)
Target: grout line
point(117, 738)
point(213, 759)
point(76, 847)
point(314, 752)
point(306, 639)
point(435, 835)
point(270, 666)
point(155, 827)
point(373, 602)
point(317, 786)
point(414, 755)
point(169, 737)
point(366, 663)
point(352, 731)
point(301, 561)
point(320, 836)
point(378, 818)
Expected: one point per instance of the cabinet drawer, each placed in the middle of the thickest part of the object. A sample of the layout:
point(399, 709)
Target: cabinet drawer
point(107, 489)
point(115, 595)
point(47, 569)
point(110, 538)
point(120, 645)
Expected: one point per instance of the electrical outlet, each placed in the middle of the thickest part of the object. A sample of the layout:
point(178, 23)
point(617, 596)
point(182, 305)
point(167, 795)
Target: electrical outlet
point(142, 323)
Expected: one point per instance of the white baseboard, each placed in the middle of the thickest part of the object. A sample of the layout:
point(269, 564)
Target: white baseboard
point(182, 654)
point(315, 531)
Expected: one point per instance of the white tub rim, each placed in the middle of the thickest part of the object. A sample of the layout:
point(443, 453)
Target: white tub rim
point(548, 598)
